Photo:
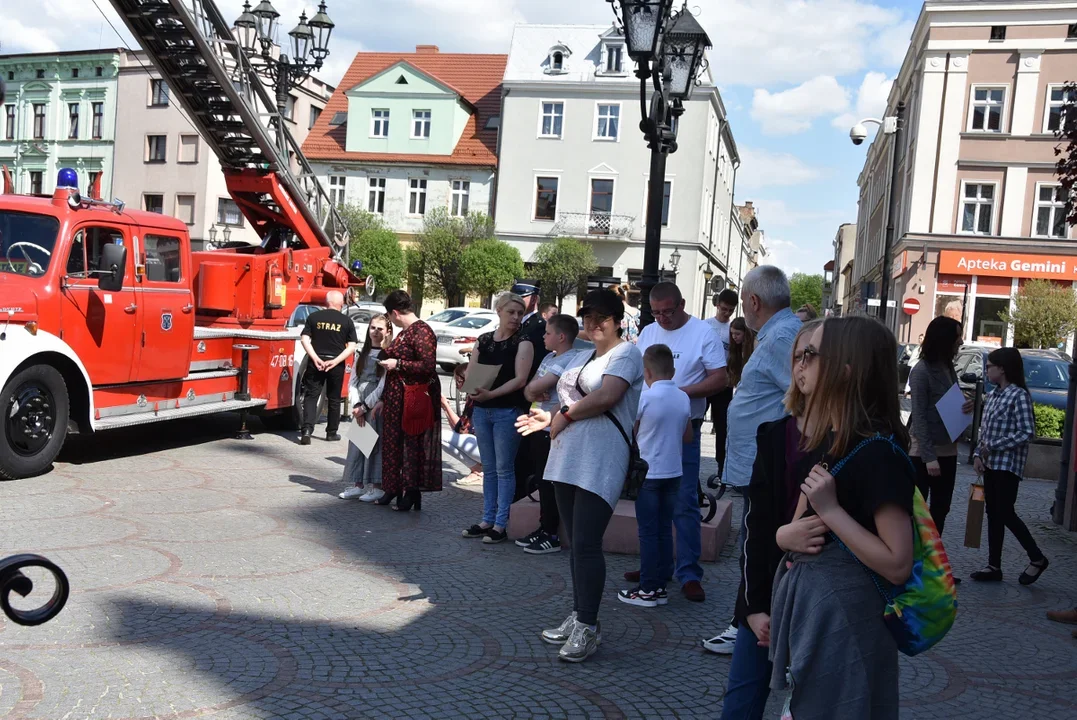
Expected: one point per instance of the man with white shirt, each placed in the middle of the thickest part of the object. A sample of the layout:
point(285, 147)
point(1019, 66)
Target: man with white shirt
point(726, 304)
point(699, 360)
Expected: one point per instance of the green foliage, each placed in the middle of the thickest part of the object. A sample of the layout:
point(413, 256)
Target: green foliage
point(413, 262)
point(1067, 160)
point(806, 289)
point(1043, 313)
point(1050, 421)
point(489, 266)
point(376, 246)
point(441, 245)
point(559, 266)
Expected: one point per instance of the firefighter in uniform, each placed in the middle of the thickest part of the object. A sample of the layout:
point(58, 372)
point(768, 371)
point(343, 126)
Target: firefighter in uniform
point(329, 339)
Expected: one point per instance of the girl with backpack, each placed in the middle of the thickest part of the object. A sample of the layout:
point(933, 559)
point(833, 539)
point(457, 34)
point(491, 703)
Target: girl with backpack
point(841, 661)
point(1006, 430)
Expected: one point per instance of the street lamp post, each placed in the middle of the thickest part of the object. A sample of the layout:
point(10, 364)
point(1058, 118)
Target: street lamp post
point(669, 50)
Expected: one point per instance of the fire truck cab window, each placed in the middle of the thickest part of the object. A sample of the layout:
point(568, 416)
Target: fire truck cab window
point(26, 242)
point(162, 259)
point(87, 248)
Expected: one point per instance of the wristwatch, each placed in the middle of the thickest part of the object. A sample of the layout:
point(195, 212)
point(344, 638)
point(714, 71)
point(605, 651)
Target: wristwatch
point(564, 413)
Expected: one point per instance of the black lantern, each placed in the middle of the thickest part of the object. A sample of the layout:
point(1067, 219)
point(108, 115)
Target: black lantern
point(302, 39)
point(675, 259)
point(322, 28)
point(266, 16)
point(643, 22)
point(247, 28)
point(684, 46)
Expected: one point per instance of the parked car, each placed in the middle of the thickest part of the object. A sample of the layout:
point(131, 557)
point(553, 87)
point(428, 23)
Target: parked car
point(360, 315)
point(461, 334)
point(439, 320)
point(1046, 373)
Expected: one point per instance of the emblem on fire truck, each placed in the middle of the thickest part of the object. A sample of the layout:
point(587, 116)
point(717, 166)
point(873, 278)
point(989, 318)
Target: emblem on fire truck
point(166, 321)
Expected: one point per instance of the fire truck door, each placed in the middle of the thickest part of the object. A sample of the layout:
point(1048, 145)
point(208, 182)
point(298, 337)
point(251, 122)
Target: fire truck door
point(101, 327)
point(166, 304)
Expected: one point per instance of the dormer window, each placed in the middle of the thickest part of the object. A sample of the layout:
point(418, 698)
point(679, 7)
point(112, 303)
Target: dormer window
point(557, 59)
point(614, 58)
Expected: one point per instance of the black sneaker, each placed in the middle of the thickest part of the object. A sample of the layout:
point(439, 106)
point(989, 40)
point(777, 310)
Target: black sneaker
point(304, 439)
point(477, 531)
point(495, 536)
point(332, 437)
point(530, 538)
point(638, 597)
point(543, 544)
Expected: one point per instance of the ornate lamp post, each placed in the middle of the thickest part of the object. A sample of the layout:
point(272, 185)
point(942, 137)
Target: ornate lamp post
point(669, 50)
point(309, 44)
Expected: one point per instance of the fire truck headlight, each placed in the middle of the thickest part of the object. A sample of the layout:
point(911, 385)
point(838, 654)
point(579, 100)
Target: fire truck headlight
point(31, 327)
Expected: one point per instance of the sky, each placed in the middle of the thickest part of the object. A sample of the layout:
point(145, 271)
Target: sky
point(795, 75)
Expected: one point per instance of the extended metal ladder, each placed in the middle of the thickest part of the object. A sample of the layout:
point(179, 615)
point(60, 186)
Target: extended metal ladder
point(191, 45)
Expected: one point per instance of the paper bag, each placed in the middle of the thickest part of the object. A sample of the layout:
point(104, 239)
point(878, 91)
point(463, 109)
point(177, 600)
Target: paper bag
point(974, 523)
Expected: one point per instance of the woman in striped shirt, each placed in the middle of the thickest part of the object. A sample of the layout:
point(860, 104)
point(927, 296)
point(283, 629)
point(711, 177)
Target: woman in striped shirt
point(1005, 433)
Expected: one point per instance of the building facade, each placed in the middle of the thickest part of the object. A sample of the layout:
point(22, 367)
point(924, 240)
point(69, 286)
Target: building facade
point(409, 132)
point(837, 273)
point(980, 210)
point(572, 162)
point(60, 111)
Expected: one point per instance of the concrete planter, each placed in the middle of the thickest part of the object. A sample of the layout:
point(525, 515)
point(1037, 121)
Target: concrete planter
point(1044, 456)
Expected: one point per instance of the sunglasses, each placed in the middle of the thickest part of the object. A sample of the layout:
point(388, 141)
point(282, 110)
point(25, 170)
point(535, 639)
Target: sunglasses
point(806, 356)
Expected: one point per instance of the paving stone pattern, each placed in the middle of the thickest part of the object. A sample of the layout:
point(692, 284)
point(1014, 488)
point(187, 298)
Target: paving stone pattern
point(215, 577)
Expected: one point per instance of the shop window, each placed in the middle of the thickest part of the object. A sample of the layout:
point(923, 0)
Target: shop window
point(987, 324)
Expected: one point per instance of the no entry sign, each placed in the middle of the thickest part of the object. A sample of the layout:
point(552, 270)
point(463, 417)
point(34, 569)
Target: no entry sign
point(911, 306)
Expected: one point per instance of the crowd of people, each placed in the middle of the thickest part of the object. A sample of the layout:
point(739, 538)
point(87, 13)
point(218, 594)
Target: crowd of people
point(585, 413)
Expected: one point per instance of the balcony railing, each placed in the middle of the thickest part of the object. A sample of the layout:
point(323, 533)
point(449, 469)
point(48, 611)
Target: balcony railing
point(594, 224)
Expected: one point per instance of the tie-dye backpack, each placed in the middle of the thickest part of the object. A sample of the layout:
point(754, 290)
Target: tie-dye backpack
point(920, 612)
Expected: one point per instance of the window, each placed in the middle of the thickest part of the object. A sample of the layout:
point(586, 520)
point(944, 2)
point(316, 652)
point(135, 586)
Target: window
point(11, 75)
point(228, 212)
point(188, 149)
point(667, 191)
point(553, 116)
point(1057, 97)
point(162, 258)
point(998, 32)
point(614, 58)
point(337, 189)
point(87, 249)
point(379, 123)
point(376, 195)
point(987, 104)
point(417, 196)
point(1050, 211)
point(185, 208)
point(39, 121)
point(9, 122)
point(156, 148)
point(289, 108)
point(73, 121)
point(98, 71)
point(1071, 32)
point(36, 179)
point(601, 206)
point(546, 198)
point(420, 126)
point(557, 61)
point(94, 176)
point(977, 208)
point(158, 93)
point(98, 119)
point(74, 72)
point(461, 191)
point(609, 120)
point(39, 74)
point(315, 113)
point(154, 203)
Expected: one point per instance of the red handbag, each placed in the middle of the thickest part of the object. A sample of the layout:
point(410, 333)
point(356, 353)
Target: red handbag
point(418, 416)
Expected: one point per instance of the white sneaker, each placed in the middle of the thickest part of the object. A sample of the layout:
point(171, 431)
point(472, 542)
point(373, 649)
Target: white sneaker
point(372, 495)
point(722, 644)
point(353, 492)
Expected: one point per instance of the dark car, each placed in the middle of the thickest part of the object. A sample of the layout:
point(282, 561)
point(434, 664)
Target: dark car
point(1046, 373)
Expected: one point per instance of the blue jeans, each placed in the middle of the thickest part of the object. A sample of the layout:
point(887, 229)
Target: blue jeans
point(654, 519)
point(686, 514)
point(495, 429)
point(749, 678)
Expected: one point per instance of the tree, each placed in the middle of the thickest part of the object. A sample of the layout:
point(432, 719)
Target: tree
point(375, 245)
point(413, 261)
point(806, 289)
point(442, 244)
point(1067, 133)
point(489, 266)
point(1043, 313)
point(559, 266)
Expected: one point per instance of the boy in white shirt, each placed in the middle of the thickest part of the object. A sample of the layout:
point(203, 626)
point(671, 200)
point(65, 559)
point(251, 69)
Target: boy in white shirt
point(663, 426)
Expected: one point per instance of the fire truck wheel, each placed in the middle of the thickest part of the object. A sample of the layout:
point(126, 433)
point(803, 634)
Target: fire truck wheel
point(34, 407)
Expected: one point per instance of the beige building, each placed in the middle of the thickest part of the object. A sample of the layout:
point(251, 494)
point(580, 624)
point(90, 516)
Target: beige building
point(980, 209)
point(837, 273)
point(163, 165)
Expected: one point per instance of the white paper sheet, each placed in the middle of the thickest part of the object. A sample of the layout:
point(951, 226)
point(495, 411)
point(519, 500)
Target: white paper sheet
point(364, 437)
point(480, 376)
point(949, 407)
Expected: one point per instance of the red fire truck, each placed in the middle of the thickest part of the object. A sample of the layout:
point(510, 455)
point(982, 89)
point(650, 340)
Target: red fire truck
point(108, 319)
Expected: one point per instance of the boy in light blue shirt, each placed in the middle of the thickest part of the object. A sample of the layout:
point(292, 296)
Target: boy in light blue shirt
point(663, 426)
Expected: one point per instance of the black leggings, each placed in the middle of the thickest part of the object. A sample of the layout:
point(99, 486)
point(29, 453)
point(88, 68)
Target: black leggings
point(1000, 496)
point(585, 517)
point(940, 489)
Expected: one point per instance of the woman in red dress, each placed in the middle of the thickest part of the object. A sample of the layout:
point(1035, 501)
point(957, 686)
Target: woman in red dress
point(411, 434)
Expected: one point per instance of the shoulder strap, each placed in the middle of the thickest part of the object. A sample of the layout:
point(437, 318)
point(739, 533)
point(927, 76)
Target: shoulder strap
point(608, 414)
point(877, 437)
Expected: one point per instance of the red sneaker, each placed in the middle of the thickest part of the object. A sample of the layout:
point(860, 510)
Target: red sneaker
point(632, 576)
point(693, 591)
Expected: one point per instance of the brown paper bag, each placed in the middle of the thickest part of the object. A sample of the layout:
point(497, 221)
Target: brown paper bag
point(974, 523)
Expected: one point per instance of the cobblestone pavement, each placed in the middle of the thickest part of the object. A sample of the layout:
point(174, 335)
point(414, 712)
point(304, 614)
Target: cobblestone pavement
point(214, 577)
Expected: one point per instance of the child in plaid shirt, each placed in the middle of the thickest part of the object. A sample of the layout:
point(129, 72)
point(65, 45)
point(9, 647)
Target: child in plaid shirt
point(1005, 433)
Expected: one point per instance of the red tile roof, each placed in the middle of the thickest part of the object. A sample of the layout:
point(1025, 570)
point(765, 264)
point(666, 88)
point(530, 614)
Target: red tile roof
point(477, 78)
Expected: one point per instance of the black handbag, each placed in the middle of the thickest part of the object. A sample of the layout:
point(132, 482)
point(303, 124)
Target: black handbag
point(637, 466)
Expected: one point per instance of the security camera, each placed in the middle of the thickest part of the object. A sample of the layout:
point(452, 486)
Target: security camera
point(858, 134)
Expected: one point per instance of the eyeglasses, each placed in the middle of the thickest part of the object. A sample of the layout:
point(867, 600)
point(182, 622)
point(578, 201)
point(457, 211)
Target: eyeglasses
point(664, 313)
point(805, 357)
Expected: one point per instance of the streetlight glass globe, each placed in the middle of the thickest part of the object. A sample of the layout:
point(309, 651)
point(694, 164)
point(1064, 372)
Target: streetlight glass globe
point(302, 40)
point(322, 27)
point(643, 22)
point(267, 20)
point(247, 28)
point(683, 49)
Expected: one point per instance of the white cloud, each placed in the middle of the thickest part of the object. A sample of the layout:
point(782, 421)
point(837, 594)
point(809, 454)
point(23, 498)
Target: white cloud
point(764, 168)
point(870, 101)
point(778, 213)
point(792, 111)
